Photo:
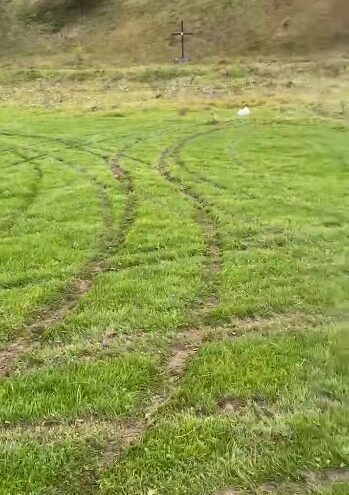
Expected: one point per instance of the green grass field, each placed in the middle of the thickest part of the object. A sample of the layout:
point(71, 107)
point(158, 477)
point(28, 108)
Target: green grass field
point(173, 300)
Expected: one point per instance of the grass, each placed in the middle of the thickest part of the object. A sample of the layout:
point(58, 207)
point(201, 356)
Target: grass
point(288, 397)
point(173, 286)
point(46, 243)
point(57, 461)
point(284, 372)
point(192, 455)
point(250, 185)
point(158, 267)
point(109, 388)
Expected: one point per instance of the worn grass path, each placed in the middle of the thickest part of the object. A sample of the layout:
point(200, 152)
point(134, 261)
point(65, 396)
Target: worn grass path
point(173, 305)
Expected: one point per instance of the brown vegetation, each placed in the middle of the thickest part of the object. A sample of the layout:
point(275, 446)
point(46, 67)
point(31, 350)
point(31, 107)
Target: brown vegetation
point(133, 31)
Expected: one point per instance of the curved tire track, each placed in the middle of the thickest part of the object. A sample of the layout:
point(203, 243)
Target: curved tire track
point(10, 221)
point(185, 347)
point(73, 293)
point(112, 242)
point(208, 223)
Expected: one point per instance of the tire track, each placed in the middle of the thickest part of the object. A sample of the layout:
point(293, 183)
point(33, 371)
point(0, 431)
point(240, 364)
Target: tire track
point(185, 346)
point(310, 481)
point(84, 281)
point(131, 205)
point(10, 221)
point(188, 342)
point(111, 243)
point(10, 354)
point(200, 178)
point(131, 432)
point(181, 345)
point(213, 245)
point(37, 181)
point(181, 352)
point(73, 293)
point(82, 284)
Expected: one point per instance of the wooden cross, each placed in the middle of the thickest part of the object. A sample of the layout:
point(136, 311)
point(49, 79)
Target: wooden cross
point(182, 34)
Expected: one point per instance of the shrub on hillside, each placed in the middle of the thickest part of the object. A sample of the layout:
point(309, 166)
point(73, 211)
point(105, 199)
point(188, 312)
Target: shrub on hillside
point(56, 13)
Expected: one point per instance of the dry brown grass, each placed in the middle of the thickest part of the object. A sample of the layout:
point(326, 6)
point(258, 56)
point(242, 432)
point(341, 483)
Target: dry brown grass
point(138, 31)
point(317, 87)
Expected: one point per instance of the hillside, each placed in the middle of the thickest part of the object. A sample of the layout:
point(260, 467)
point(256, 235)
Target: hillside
point(132, 31)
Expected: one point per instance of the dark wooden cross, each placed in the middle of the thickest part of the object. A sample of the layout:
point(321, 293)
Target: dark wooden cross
point(182, 34)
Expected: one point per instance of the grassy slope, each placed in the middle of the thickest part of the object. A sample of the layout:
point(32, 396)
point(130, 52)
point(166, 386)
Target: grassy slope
point(129, 31)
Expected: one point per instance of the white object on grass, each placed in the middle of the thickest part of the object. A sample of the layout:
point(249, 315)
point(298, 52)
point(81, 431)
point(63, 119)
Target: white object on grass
point(244, 112)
